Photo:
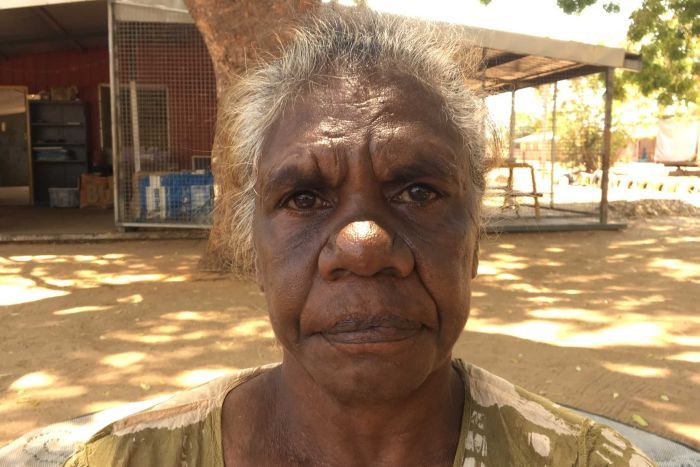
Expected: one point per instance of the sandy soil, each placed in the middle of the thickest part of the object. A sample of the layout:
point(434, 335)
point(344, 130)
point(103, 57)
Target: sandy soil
point(604, 321)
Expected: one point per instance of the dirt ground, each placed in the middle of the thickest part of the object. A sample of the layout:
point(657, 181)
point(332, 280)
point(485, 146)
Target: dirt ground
point(607, 322)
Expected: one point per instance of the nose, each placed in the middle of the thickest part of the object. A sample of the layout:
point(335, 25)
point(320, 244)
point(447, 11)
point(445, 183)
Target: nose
point(364, 248)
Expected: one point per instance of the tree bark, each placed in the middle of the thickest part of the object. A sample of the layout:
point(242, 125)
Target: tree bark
point(237, 33)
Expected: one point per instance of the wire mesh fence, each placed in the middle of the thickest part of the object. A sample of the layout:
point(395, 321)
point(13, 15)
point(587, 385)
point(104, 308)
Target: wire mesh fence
point(164, 95)
point(164, 92)
point(531, 185)
point(550, 169)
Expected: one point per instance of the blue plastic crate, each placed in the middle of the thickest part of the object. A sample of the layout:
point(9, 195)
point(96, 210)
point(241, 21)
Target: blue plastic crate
point(182, 196)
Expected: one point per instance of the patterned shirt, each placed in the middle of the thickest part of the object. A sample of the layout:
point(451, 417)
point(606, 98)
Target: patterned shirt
point(502, 425)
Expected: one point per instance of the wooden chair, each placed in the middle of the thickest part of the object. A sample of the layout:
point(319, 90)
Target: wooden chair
point(510, 196)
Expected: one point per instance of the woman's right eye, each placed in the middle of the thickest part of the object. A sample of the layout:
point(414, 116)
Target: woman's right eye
point(304, 201)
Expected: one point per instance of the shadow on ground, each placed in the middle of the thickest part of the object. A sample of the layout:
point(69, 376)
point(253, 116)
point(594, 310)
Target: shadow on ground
point(604, 321)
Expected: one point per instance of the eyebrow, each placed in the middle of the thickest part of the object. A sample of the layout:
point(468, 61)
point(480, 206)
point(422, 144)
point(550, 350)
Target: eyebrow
point(424, 168)
point(430, 157)
point(291, 175)
point(420, 167)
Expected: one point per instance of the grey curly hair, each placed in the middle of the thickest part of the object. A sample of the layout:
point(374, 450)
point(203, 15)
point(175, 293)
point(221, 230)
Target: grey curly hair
point(341, 41)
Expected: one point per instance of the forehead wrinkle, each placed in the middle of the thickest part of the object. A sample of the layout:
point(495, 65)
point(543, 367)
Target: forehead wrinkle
point(329, 162)
point(316, 164)
point(440, 160)
point(344, 115)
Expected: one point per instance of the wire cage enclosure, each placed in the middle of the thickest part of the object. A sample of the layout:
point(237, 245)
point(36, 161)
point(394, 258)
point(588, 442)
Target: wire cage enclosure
point(163, 94)
point(548, 172)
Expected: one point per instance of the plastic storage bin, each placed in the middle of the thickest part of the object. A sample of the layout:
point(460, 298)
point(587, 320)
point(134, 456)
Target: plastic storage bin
point(64, 197)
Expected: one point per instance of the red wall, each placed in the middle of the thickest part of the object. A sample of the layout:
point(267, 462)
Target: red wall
point(185, 69)
point(84, 69)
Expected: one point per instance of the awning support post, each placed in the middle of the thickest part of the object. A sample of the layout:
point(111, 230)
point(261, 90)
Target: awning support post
point(511, 135)
point(553, 147)
point(116, 156)
point(609, 76)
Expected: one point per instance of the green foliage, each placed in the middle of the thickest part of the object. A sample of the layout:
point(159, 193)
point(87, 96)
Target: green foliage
point(527, 124)
point(580, 126)
point(668, 33)
point(577, 6)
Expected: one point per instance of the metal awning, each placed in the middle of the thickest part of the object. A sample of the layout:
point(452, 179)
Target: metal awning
point(514, 61)
point(38, 26)
point(510, 60)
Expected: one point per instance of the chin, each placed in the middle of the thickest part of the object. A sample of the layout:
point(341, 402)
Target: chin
point(375, 372)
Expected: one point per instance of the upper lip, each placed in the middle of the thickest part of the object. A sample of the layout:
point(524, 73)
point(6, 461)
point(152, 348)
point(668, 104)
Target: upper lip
point(359, 323)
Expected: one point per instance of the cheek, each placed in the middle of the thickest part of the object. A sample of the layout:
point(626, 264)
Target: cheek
point(287, 260)
point(448, 278)
point(444, 255)
point(449, 282)
point(444, 247)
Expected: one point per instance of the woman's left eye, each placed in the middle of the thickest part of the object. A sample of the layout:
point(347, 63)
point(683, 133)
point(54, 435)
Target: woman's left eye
point(417, 194)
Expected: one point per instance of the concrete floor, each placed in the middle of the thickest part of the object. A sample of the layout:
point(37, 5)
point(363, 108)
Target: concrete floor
point(18, 217)
point(28, 220)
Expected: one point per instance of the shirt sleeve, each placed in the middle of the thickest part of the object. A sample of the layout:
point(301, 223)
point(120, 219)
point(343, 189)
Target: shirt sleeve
point(78, 459)
point(604, 447)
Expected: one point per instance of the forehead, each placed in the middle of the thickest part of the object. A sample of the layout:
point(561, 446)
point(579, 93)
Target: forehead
point(386, 97)
point(361, 109)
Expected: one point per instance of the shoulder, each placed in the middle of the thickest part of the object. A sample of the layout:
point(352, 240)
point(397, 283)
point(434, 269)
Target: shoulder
point(508, 425)
point(183, 430)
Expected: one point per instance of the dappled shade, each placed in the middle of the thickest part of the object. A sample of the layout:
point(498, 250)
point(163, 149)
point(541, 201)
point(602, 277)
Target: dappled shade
point(606, 322)
point(129, 321)
point(601, 321)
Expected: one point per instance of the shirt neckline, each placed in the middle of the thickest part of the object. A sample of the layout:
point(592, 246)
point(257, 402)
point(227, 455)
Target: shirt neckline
point(247, 375)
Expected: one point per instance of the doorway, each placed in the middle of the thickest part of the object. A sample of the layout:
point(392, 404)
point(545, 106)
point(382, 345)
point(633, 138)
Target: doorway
point(15, 160)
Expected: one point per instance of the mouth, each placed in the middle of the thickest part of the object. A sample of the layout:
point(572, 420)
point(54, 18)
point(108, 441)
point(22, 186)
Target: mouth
point(372, 330)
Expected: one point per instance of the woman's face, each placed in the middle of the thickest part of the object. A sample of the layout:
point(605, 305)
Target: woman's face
point(364, 235)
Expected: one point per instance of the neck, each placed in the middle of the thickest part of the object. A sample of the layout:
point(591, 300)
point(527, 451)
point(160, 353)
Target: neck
point(419, 428)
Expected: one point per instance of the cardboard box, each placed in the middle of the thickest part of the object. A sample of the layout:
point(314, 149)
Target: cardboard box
point(96, 191)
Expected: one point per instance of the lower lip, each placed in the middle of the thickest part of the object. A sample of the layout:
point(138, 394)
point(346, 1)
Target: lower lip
point(372, 336)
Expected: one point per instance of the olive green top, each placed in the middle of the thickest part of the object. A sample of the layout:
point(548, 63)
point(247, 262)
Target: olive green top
point(502, 425)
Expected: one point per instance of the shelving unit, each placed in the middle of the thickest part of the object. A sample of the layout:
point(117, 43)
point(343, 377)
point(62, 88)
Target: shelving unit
point(59, 145)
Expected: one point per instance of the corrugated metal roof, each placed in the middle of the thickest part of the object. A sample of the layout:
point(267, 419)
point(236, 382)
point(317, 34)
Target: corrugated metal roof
point(551, 48)
point(510, 60)
point(514, 61)
point(8, 4)
point(69, 25)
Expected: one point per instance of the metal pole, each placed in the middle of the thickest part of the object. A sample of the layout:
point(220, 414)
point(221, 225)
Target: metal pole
point(511, 136)
point(609, 75)
point(135, 129)
point(483, 97)
point(553, 148)
point(113, 112)
point(28, 144)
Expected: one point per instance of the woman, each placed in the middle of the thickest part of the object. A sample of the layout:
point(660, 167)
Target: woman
point(355, 179)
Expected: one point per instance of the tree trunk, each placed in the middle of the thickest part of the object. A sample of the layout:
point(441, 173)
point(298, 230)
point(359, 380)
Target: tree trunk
point(236, 33)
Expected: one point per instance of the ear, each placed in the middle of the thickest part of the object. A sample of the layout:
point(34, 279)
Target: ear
point(475, 260)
